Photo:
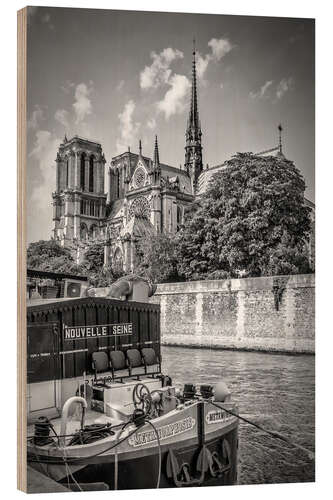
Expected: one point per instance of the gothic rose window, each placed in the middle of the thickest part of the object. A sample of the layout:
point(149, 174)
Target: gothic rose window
point(140, 207)
point(139, 177)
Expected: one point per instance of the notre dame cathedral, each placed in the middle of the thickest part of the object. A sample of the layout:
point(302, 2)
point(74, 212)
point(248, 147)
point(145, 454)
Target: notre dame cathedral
point(144, 196)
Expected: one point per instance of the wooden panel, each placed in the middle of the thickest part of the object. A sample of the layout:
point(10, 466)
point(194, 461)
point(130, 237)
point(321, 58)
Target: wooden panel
point(21, 248)
point(97, 312)
point(43, 352)
point(91, 320)
point(68, 346)
point(81, 357)
point(125, 340)
point(102, 319)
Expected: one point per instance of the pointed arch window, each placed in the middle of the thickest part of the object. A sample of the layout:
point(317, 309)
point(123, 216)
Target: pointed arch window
point(91, 174)
point(179, 217)
point(83, 232)
point(117, 264)
point(118, 184)
point(67, 172)
point(82, 171)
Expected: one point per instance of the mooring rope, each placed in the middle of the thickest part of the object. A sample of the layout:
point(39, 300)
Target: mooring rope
point(274, 434)
point(159, 454)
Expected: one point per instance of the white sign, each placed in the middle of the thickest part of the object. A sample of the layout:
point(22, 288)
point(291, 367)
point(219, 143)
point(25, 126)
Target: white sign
point(214, 417)
point(88, 332)
point(164, 432)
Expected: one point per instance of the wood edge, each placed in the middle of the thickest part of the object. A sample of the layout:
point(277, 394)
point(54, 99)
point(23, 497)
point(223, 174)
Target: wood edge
point(21, 248)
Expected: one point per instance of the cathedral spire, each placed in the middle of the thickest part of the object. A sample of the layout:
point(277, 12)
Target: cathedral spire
point(194, 114)
point(279, 148)
point(156, 162)
point(193, 148)
point(280, 138)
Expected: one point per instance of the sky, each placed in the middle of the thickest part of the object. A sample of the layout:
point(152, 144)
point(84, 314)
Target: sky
point(120, 76)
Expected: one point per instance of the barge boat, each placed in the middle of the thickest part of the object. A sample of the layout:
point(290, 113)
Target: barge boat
point(101, 410)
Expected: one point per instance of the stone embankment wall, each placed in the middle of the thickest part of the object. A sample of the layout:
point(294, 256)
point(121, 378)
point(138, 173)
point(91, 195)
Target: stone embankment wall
point(267, 314)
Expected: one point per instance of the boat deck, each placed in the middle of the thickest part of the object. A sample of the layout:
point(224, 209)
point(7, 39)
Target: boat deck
point(118, 407)
point(74, 422)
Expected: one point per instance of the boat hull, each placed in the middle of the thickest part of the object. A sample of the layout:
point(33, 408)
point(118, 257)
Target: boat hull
point(197, 446)
point(142, 472)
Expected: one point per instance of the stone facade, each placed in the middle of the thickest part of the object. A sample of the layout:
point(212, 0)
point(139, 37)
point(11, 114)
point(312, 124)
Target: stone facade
point(144, 197)
point(268, 314)
point(79, 201)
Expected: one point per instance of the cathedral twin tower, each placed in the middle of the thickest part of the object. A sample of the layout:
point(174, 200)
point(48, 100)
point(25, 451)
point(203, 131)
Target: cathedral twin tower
point(144, 196)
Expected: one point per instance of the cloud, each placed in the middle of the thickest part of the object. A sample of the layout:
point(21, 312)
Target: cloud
point(41, 143)
point(120, 85)
point(202, 64)
point(67, 87)
point(82, 105)
point(262, 92)
point(284, 86)
point(62, 116)
point(173, 101)
point(220, 47)
point(151, 123)
point(31, 12)
point(46, 19)
point(36, 117)
point(159, 72)
point(128, 128)
point(42, 170)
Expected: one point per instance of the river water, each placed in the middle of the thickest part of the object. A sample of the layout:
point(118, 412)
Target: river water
point(276, 391)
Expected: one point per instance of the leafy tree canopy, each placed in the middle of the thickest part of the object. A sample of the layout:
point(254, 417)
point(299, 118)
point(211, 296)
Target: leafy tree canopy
point(50, 256)
point(47, 249)
point(157, 258)
point(252, 221)
point(93, 258)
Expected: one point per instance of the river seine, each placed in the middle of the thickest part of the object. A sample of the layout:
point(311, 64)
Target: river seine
point(276, 391)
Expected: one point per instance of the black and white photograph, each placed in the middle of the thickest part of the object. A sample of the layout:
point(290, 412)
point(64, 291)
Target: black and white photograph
point(169, 263)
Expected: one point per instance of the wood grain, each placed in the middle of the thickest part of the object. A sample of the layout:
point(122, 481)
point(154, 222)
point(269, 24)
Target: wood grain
point(21, 247)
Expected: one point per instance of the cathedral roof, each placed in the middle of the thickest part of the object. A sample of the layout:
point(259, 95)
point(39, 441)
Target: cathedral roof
point(184, 180)
point(166, 171)
point(117, 209)
point(138, 226)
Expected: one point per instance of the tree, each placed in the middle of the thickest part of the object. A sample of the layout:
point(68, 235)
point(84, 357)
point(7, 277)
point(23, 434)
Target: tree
point(252, 221)
point(93, 257)
point(50, 256)
point(93, 265)
point(157, 258)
